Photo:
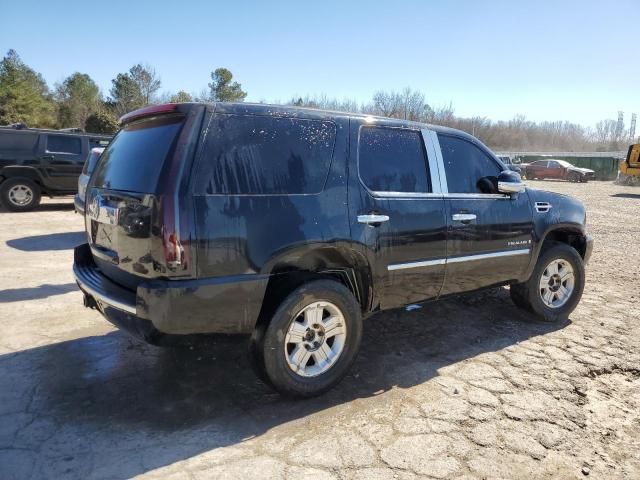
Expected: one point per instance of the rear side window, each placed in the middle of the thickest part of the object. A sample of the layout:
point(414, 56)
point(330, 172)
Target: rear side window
point(393, 160)
point(265, 156)
point(465, 164)
point(18, 142)
point(64, 144)
point(134, 159)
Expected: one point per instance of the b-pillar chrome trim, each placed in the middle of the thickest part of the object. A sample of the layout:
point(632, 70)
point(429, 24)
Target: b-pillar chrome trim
point(436, 163)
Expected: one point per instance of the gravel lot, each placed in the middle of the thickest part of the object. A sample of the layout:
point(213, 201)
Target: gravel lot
point(465, 388)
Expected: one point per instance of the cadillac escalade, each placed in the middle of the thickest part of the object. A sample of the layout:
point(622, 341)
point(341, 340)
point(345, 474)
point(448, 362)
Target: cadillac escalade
point(291, 225)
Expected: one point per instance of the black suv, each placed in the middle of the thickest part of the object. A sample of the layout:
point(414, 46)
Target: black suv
point(290, 225)
point(38, 161)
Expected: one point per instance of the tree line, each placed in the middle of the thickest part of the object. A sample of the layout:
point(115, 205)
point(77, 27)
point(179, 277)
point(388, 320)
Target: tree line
point(78, 102)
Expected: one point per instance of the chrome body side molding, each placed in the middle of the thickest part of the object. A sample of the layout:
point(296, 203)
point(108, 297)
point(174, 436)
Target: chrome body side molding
point(465, 258)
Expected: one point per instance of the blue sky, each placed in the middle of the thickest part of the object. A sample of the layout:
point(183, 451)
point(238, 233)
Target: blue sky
point(573, 60)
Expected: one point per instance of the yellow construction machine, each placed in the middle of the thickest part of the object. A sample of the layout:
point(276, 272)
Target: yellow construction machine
point(630, 168)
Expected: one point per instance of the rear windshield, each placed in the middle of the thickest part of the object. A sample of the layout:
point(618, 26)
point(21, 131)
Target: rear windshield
point(133, 161)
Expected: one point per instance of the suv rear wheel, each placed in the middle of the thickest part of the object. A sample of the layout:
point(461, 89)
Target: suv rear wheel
point(312, 339)
point(556, 285)
point(19, 194)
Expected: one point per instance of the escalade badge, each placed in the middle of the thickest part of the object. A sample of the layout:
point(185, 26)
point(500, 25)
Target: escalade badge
point(518, 242)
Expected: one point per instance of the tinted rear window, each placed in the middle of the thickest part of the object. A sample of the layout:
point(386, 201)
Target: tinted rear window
point(64, 144)
point(18, 142)
point(265, 155)
point(133, 161)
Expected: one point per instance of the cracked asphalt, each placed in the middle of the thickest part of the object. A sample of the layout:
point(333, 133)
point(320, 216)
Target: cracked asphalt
point(465, 388)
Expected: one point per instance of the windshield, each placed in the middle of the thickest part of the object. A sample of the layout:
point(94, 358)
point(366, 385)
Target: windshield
point(563, 163)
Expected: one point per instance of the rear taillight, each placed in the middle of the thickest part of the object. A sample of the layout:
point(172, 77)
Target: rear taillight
point(173, 251)
point(150, 111)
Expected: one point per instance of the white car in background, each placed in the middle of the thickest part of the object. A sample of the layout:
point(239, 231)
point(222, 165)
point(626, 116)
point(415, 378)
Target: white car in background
point(83, 179)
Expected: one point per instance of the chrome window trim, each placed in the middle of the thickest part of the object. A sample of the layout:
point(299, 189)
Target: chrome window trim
point(478, 196)
point(405, 195)
point(464, 258)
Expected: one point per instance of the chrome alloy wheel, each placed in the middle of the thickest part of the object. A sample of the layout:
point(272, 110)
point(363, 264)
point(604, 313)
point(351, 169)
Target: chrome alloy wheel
point(557, 283)
point(315, 339)
point(20, 195)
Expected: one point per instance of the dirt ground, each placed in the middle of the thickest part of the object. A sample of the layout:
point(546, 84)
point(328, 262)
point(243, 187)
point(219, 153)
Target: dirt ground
point(464, 388)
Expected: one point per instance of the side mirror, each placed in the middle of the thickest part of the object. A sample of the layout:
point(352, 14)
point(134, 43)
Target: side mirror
point(510, 182)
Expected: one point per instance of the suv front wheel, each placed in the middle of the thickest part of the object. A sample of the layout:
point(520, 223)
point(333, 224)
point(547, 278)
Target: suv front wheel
point(555, 287)
point(312, 339)
point(19, 194)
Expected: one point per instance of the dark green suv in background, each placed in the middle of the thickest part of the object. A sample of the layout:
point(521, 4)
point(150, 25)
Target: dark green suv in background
point(36, 162)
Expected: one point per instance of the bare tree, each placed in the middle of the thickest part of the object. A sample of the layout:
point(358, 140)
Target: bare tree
point(147, 80)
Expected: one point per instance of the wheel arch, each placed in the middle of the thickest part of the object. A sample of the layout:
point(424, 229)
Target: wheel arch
point(571, 235)
point(22, 172)
point(338, 262)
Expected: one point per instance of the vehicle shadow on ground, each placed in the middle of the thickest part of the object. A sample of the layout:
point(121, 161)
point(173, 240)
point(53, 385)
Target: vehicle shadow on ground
point(143, 407)
point(35, 293)
point(45, 207)
point(51, 241)
point(626, 195)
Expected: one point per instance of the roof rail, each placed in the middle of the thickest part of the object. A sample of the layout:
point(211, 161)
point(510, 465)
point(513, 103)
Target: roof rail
point(72, 129)
point(17, 126)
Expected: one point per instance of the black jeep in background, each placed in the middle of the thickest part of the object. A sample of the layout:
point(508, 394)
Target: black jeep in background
point(291, 225)
point(35, 162)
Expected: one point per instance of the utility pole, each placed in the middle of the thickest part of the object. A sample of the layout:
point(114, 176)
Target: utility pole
point(619, 126)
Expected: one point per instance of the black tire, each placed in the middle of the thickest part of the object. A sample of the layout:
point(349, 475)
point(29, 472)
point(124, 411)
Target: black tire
point(574, 177)
point(527, 295)
point(256, 357)
point(11, 203)
point(274, 359)
point(519, 297)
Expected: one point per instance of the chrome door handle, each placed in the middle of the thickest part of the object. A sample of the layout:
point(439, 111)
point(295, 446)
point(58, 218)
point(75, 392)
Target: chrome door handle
point(371, 219)
point(463, 217)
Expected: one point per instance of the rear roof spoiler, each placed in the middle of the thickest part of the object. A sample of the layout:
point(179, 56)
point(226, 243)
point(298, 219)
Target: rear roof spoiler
point(150, 111)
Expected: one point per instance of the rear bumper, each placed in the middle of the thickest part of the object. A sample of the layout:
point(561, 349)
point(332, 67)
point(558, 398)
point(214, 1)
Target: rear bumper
point(229, 305)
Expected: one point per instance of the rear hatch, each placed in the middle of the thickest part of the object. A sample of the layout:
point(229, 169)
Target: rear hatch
point(131, 200)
